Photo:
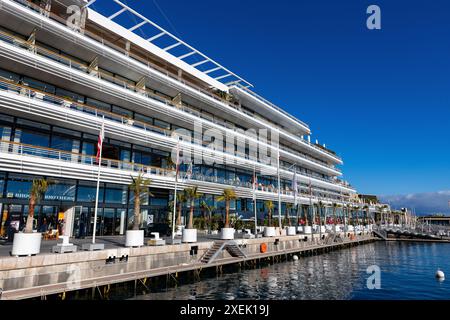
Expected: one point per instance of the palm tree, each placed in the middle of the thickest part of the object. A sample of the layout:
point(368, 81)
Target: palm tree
point(269, 206)
point(320, 205)
point(139, 186)
point(191, 194)
point(205, 207)
point(305, 211)
point(367, 209)
point(38, 188)
point(335, 206)
point(289, 207)
point(227, 196)
point(180, 200)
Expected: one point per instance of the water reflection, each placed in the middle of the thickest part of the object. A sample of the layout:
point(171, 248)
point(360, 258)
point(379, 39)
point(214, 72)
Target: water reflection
point(407, 273)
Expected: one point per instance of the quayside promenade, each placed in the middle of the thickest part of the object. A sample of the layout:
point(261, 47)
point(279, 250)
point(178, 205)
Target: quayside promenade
point(48, 273)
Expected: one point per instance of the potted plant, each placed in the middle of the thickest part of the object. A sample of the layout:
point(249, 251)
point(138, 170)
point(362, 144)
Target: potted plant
point(189, 233)
point(227, 196)
point(28, 243)
point(180, 200)
point(139, 186)
point(290, 230)
point(269, 231)
point(207, 208)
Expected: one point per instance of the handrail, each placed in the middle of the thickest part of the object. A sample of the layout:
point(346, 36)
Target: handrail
point(163, 71)
point(123, 120)
point(61, 155)
point(264, 100)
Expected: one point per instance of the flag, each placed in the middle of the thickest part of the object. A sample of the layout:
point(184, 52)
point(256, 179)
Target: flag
point(101, 137)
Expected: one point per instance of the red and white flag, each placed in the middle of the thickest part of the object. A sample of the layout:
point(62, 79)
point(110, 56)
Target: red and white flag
point(101, 137)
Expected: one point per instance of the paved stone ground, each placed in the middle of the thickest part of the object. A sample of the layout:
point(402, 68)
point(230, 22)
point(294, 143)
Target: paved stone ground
point(110, 242)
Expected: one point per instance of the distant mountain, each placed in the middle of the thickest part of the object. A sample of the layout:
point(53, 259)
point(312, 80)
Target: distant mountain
point(424, 203)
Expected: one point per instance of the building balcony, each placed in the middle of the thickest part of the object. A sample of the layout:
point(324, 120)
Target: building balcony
point(29, 159)
point(293, 155)
point(144, 66)
point(74, 115)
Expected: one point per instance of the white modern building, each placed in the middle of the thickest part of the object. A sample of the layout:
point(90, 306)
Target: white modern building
point(63, 73)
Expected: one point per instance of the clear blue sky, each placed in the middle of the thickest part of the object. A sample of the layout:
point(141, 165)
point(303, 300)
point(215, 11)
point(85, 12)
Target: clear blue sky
point(380, 99)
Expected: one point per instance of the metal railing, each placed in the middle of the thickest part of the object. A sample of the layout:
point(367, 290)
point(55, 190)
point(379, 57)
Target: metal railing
point(67, 102)
point(66, 156)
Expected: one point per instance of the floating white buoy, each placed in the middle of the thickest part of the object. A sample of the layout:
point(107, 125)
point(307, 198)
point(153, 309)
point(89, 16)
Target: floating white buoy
point(295, 258)
point(440, 274)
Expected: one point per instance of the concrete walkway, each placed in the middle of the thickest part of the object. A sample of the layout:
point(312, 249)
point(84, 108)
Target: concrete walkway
point(111, 242)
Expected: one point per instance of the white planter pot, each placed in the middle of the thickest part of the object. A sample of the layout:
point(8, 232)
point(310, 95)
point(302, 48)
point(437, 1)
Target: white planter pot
point(300, 228)
point(227, 234)
point(307, 229)
point(26, 244)
point(189, 235)
point(322, 229)
point(291, 231)
point(134, 238)
point(179, 230)
point(350, 228)
point(269, 232)
point(329, 227)
point(338, 228)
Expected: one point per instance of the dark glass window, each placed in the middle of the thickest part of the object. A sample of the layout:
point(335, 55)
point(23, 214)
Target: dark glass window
point(18, 187)
point(87, 192)
point(61, 190)
point(116, 195)
point(9, 75)
point(70, 95)
point(33, 138)
point(98, 104)
point(2, 185)
point(41, 86)
point(162, 124)
point(66, 144)
point(5, 132)
point(122, 112)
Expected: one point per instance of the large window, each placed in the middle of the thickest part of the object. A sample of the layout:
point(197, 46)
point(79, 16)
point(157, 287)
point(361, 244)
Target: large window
point(32, 138)
point(2, 186)
point(61, 190)
point(87, 192)
point(18, 187)
point(115, 194)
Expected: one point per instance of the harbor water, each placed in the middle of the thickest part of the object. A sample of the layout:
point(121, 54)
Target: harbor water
point(407, 271)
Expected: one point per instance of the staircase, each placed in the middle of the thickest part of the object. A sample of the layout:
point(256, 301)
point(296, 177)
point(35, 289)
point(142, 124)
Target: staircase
point(218, 246)
point(330, 238)
point(234, 250)
point(380, 233)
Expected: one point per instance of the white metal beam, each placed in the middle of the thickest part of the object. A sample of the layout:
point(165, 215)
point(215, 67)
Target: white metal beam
point(187, 55)
point(200, 63)
point(224, 76)
point(212, 70)
point(163, 32)
point(172, 46)
point(159, 35)
point(138, 25)
point(117, 13)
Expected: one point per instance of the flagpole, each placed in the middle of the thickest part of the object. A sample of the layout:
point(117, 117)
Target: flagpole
point(101, 138)
point(175, 193)
point(279, 188)
point(254, 200)
point(313, 216)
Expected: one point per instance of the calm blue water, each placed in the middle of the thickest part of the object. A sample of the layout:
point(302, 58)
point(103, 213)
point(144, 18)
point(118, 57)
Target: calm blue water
point(407, 272)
